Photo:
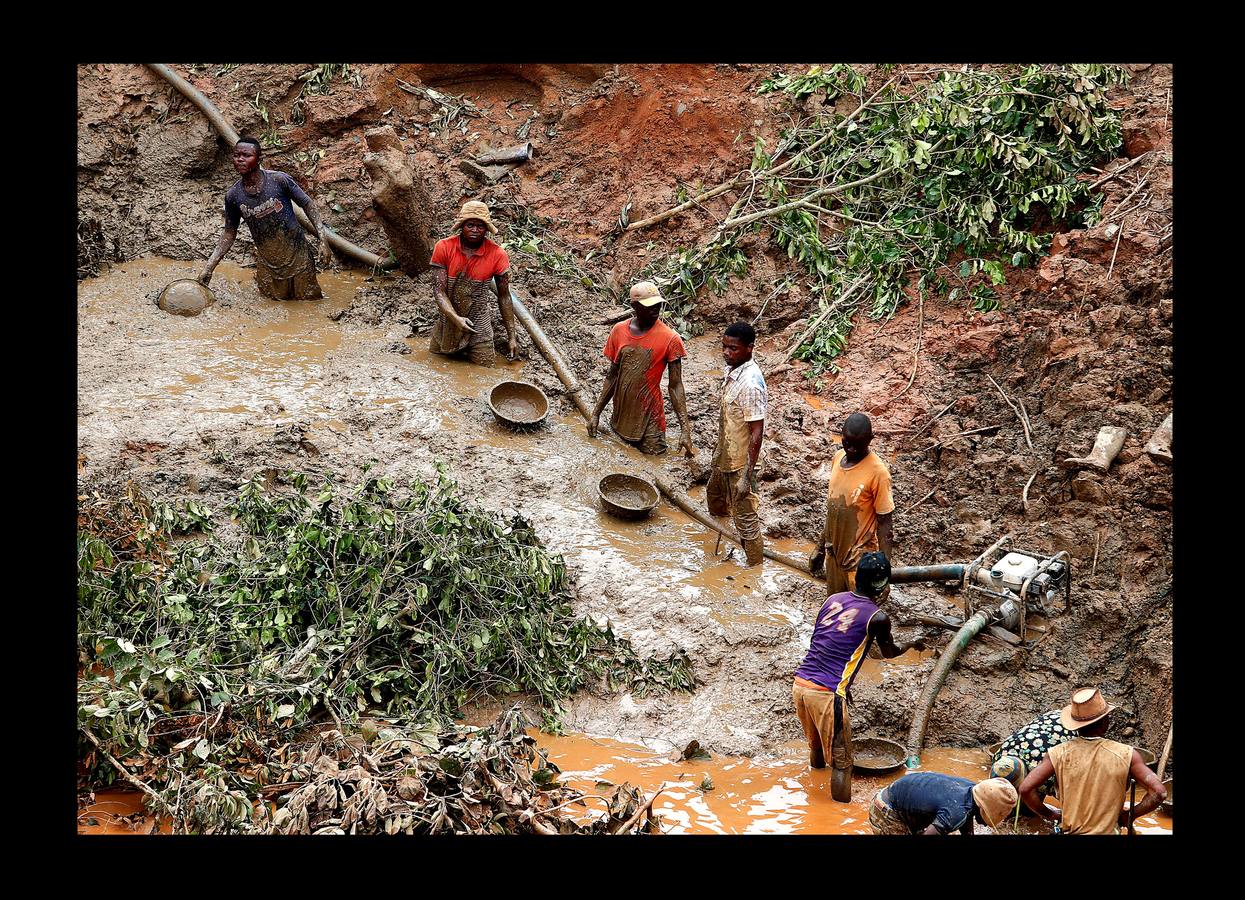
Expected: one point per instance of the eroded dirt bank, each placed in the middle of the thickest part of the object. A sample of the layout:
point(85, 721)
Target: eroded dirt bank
point(194, 406)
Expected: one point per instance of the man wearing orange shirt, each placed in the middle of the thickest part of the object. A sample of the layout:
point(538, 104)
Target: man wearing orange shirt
point(639, 350)
point(858, 508)
point(467, 269)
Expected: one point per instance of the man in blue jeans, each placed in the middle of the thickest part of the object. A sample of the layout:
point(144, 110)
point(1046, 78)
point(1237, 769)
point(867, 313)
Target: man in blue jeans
point(934, 803)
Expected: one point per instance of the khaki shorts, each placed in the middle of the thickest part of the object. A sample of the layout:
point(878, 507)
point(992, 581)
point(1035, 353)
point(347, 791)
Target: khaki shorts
point(817, 711)
point(723, 501)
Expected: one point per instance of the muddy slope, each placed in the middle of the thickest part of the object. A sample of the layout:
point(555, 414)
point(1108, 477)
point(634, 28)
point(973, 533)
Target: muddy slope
point(1083, 340)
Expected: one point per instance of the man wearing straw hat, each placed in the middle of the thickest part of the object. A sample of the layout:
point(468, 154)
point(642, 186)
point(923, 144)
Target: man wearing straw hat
point(1092, 773)
point(934, 803)
point(468, 265)
point(640, 350)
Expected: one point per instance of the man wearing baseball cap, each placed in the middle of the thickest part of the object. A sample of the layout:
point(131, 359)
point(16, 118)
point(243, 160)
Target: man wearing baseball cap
point(934, 803)
point(846, 625)
point(640, 350)
point(466, 267)
point(1092, 773)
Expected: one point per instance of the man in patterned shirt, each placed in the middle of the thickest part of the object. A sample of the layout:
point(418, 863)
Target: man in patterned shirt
point(732, 488)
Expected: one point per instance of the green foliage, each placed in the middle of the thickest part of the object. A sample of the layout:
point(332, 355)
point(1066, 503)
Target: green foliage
point(684, 273)
point(196, 653)
point(972, 165)
point(529, 239)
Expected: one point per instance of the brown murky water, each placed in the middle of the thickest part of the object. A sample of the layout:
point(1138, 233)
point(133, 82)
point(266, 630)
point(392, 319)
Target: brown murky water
point(776, 794)
point(261, 361)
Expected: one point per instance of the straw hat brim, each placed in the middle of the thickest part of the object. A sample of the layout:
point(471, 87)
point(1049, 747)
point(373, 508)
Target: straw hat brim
point(1066, 720)
point(458, 223)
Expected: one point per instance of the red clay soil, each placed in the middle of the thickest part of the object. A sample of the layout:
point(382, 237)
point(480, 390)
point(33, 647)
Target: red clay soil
point(1083, 340)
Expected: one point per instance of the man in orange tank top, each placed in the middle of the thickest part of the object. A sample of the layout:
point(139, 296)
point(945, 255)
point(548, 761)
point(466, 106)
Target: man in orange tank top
point(1092, 773)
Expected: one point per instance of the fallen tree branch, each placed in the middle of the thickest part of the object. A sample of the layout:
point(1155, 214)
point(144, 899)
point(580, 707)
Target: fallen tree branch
point(1116, 172)
point(952, 437)
point(1024, 495)
point(125, 773)
point(829, 309)
point(644, 807)
point(916, 354)
point(942, 412)
point(1111, 268)
point(734, 182)
point(1019, 415)
point(919, 502)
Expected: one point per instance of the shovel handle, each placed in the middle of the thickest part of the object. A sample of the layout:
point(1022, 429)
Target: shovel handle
point(1132, 803)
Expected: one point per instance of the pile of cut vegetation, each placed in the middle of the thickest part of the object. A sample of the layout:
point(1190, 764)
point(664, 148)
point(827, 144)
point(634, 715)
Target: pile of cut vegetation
point(222, 669)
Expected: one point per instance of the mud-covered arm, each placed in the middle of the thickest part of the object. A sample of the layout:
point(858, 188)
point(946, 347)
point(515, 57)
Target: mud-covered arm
point(1155, 792)
point(1029, 790)
point(301, 197)
point(756, 435)
point(507, 312)
point(227, 237)
point(440, 290)
point(880, 631)
point(885, 535)
point(678, 398)
point(607, 391)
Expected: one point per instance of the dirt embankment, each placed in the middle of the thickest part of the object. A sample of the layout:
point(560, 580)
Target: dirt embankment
point(1083, 340)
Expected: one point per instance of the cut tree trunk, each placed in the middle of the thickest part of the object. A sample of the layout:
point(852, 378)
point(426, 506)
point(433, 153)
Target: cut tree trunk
point(400, 200)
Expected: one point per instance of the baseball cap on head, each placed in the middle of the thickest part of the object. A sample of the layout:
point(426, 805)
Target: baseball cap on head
point(646, 293)
point(873, 573)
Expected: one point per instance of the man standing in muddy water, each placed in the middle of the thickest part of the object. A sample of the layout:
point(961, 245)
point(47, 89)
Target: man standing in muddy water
point(858, 508)
point(466, 267)
point(732, 487)
point(285, 268)
point(639, 351)
point(845, 626)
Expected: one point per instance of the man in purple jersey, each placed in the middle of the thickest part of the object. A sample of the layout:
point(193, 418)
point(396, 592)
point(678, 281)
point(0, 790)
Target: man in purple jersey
point(846, 625)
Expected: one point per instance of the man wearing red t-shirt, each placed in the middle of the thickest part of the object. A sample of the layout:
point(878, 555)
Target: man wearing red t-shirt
point(639, 350)
point(466, 268)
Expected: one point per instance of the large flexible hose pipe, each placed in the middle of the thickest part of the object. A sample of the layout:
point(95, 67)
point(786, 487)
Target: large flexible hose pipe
point(909, 574)
point(916, 734)
point(675, 496)
point(225, 130)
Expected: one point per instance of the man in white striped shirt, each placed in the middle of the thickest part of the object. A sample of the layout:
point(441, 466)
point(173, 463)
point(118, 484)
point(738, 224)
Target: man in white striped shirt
point(732, 488)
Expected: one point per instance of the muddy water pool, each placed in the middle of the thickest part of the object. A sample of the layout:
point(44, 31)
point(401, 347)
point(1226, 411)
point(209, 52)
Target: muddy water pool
point(776, 793)
point(251, 363)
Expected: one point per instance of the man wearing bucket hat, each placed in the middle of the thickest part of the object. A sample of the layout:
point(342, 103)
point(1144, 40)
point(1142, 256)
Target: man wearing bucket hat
point(285, 268)
point(640, 350)
point(934, 803)
point(845, 626)
point(466, 267)
point(1092, 773)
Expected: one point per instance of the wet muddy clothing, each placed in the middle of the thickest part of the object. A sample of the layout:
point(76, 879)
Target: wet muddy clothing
point(823, 716)
point(1093, 781)
point(470, 288)
point(744, 399)
point(927, 798)
point(883, 819)
point(855, 498)
point(839, 643)
point(653, 441)
point(638, 404)
point(284, 266)
point(724, 500)
point(1031, 743)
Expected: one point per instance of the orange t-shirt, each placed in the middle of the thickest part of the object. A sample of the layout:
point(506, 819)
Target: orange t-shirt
point(488, 260)
point(854, 500)
point(641, 360)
